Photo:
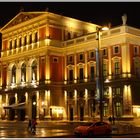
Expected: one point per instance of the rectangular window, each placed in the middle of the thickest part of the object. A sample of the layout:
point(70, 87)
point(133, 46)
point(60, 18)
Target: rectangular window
point(36, 37)
point(92, 72)
point(81, 57)
point(20, 42)
point(118, 92)
point(104, 52)
point(136, 50)
point(55, 59)
point(10, 44)
point(104, 70)
point(71, 75)
point(81, 74)
point(70, 59)
point(30, 38)
point(117, 68)
point(116, 49)
point(15, 43)
point(91, 55)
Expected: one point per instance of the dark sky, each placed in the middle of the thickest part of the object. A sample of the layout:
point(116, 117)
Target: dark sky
point(97, 12)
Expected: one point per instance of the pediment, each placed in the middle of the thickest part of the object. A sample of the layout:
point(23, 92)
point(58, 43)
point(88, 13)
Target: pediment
point(20, 18)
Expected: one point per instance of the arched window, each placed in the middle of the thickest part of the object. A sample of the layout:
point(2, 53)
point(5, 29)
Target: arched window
point(34, 71)
point(13, 78)
point(23, 72)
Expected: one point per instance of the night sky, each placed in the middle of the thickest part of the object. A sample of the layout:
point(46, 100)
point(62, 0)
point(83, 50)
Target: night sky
point(100, 13)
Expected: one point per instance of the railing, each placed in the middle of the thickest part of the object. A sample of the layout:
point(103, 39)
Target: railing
point(75, 41)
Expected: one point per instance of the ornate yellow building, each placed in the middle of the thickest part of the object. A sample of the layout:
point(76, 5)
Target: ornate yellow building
point(48, 69)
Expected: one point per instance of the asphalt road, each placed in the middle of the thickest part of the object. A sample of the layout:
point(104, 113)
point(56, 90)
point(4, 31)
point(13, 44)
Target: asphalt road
point(48, 129)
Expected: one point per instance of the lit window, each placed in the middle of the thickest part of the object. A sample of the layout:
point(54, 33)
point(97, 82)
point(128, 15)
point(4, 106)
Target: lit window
point(117, 68)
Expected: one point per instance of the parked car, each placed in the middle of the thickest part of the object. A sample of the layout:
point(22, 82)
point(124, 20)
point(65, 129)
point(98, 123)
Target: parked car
point(95, 128)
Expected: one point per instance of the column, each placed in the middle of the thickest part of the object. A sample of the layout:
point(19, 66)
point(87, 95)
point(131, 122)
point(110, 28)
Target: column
point(86, 72)
point(65, 67)
point(38, 70)
point(9, 76)
point(109, 58)
point(110, 101)
point(75, 68)
point(127, 101)
point(65, 105)
point(27, 107)
point(18, 75)
point(28, 74)
point(6, 104)
point(86, 114)
point(16, 101)
point(47, 68)
point(75, 105)
point(1, 107)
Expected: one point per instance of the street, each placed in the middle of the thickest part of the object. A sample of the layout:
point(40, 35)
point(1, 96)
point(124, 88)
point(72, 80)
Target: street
point(54, 129)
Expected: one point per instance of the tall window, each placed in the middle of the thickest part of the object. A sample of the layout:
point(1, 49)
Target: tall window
point(15, 43)
point(34, 71)
point(104, 69)
point(118, 108)
point(137, 67)
point(92, 72)
point(116, 49)
point(23, 72)
point(10, 44)
point(136, 50)
point(30, 38)
point(118, 91)
point(20, 42)
point(36, 37)
point(81, 72)
point(71, 75)
point(13, 78)
point(105, 109)
point(117, 68)
point(25, 40)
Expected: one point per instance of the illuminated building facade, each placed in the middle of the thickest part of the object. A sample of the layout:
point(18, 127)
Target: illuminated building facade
point(48, 69)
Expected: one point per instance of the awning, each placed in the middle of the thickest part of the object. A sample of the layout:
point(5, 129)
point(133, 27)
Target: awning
point(15, 106)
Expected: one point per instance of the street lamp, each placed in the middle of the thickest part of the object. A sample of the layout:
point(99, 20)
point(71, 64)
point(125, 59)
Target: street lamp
point(99, 70)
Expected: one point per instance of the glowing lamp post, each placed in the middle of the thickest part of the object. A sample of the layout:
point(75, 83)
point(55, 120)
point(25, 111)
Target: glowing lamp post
point(99, 70)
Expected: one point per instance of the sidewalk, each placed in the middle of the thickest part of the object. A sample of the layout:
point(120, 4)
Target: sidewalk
point(125, 128)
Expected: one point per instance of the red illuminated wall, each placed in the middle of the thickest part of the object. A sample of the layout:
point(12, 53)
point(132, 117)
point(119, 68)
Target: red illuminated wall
point(42, 68)
point(42, 33)
point(5, 45)
point(56, 68)
point(4, 75)
point(55, 33)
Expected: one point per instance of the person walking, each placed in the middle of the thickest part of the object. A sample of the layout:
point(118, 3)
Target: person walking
point(33, 124)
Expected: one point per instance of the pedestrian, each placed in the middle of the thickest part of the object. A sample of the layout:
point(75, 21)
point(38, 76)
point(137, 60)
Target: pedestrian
point(33, 124)
point(29, 125)
point(110, 119)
